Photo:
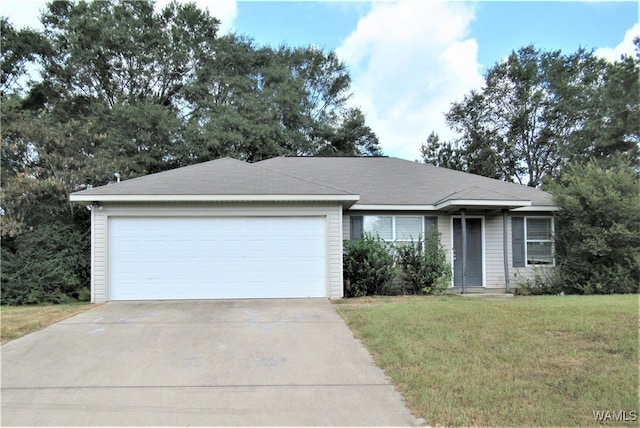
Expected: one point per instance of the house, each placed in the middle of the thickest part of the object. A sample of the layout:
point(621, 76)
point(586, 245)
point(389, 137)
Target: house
point(275, 228)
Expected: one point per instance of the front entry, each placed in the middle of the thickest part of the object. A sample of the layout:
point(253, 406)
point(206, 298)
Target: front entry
point(474, 252)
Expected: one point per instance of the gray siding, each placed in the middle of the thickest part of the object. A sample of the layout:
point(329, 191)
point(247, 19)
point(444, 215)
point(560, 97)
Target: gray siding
point(494, 256)
point(444, 227)
point(100, 251)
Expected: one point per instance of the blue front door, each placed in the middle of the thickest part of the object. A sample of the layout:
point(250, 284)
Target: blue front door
point(474, 252)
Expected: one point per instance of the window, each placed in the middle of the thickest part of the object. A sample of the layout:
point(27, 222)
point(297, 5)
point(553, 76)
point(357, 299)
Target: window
point(539, 240)
point(394, 228)
point(378, 225)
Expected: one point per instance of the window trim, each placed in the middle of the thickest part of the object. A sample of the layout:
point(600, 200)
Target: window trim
point(393, 225)
point(527, 240)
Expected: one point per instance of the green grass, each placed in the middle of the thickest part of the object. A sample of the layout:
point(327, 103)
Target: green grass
point(533, 361)
point(17, 321)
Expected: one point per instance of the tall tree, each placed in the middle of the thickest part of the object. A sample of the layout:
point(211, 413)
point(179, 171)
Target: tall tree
point(539, 111)
point(127, 88)
point(254, 103)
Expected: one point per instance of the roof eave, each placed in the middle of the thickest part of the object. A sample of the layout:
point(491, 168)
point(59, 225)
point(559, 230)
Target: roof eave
point(481, 203)
point(88, 199)
point(533, 208)
point(391, 207)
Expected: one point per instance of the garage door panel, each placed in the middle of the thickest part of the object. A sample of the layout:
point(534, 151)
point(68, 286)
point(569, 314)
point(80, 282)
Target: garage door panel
point(196, 258)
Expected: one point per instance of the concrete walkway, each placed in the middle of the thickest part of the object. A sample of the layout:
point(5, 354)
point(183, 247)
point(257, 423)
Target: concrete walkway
point(230, 362)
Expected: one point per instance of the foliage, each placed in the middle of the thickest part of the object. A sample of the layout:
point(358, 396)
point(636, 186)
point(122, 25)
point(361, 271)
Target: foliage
point(130, 88)
point(543, 281)
point(424, 264)
point(19, 47)
point(598, 229)
point(368, 266)
point(540, 111)
point(50, 264)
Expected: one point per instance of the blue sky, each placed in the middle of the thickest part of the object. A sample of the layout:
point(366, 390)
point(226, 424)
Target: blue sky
point(410, 60)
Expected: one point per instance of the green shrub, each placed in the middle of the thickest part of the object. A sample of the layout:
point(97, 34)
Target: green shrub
point(84, 295)
point(50, 265)
point(424, 264)
point(598, 229)
point(368, 266)
point(543, 281)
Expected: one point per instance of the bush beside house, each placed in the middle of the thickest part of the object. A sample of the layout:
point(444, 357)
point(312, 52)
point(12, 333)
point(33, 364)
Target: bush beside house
point(424, 264)
point(368, 266)
point(371, 266)
point(598, 229)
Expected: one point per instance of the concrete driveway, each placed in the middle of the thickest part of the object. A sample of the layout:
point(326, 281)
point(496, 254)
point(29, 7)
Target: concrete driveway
point(218, 362)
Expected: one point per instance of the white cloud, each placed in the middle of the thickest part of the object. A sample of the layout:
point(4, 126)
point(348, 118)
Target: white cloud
point(626, 46)
point(409, 61)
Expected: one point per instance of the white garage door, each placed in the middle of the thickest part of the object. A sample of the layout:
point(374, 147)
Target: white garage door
point(216, 258)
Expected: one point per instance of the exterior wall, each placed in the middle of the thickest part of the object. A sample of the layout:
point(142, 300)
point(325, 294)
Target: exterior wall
point(519, 274)
point(444, 224)
point(99, 255)
point(493, 262)
point(100, 244)
point(494, 251)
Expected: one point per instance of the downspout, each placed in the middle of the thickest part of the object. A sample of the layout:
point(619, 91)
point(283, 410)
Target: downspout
point(463, 222)
point(505, 243)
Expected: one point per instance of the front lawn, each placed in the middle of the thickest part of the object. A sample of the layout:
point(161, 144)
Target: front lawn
point(17, 321)
point(548, 360)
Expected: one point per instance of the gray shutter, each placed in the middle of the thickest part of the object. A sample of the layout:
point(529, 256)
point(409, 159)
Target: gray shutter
point(430, 221)
point(517, 241)
point(356, 227)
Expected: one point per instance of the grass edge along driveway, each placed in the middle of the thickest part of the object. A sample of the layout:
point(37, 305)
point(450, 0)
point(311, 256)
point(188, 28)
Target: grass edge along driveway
point(534, 361)
point(18, 321)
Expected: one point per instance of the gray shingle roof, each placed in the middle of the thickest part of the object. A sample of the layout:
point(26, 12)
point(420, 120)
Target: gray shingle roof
point(392, 181)
point(377, 181)
point(224, 176)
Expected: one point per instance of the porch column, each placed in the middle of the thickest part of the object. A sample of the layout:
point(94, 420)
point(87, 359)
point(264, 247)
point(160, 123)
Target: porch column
point(505, 251)
point(463, 223)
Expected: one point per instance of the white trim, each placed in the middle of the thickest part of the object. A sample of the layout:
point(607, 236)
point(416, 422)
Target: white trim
point(331, 212)
point(536, 208)
point(514, 206)
point(213, 198)
point(328, 253)
point(484, 249)
point(365, 207)
point(393, 217)
point(93, 256)
point(552, 240)
point(482, 203)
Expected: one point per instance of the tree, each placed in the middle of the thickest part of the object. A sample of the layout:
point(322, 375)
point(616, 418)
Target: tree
point(348, 138)
point(19, 49)
point(129, 89)
point(442, 154)
point(540, 111)
point(598, 229)
point(255, 103)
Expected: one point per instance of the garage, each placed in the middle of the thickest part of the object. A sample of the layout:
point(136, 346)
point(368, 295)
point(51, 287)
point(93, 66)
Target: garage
point(223, 229)
point(159, 258)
